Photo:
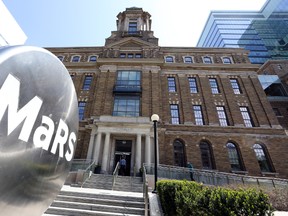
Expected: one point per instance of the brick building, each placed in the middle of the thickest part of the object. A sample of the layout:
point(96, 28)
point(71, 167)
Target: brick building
point(274, 79)
point(213, 110)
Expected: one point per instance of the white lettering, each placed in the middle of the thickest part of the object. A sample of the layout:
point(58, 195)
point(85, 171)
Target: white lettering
point(60, 138)
point(43, 134)
point(42, 138)
point(9, 98)
point(72, 140)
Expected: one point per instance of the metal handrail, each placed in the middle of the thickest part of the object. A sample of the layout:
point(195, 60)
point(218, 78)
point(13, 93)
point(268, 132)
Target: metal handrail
point(80, 164)
point(214, 177)
point(145, 191)
point(115, 174)
point(89, 172)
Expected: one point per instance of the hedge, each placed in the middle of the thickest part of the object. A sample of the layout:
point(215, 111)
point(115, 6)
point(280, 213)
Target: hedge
point(191, 198)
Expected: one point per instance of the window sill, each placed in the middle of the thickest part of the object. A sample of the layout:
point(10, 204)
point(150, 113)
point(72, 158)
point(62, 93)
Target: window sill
point(264, 174)
point(240, 172)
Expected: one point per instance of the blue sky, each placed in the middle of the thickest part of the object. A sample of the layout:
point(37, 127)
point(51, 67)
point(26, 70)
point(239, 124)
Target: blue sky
point(64, 23)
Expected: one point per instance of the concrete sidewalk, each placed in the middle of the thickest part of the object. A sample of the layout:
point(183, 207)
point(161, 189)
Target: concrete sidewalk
point(280, 213)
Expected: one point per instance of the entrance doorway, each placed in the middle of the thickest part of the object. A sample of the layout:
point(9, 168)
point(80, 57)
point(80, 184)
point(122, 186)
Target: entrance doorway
point(123, 150)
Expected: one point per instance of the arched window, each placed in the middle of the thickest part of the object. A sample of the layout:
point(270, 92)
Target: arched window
point(207, 60)
point(188, 59)
point(92, 58)
point(234, 157)
point(75, 58)
point(61, 58)
point(169, 59)
point(226, 60)
point(206, 155)
point(262, 157)
point(179, 154)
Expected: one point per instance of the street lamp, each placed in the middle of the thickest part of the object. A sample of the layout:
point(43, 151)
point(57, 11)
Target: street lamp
point(155, 119)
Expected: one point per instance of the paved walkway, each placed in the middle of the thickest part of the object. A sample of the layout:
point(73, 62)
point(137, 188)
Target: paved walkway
point(280, 213)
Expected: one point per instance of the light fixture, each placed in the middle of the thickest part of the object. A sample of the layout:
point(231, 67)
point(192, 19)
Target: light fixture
point(155, 118)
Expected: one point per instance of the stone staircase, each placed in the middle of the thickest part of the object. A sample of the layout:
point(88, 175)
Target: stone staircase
point(99, 181)
point(122, 183)
point(96, 197)
point(128, 183)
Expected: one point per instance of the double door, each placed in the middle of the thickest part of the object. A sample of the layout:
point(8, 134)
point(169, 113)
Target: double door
point(123, 150)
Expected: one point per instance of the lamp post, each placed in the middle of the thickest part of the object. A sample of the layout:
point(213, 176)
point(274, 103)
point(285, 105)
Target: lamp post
point(155, 119)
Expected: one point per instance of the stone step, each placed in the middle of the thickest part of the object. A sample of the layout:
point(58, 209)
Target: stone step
point(98, 185)
point(103, 195)
point(103, 200)
point(122, 183)
point(99, 181)
point(80, 212)
point(88, 202)
point(131, 188)
point(111, 207)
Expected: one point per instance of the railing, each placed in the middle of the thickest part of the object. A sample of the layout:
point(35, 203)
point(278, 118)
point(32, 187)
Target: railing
point(122, 88)
point(211, 177)
point(88, 172)
point(80, 164)
point(86, 165)
point(131, 33)
point(145, 191)
point(115, 174)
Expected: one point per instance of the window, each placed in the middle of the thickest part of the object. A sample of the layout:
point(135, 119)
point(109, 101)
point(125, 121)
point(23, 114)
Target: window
point(138, 55)
point(261, 156)
point(226, 60)
point(275, 89)
point(81, 108)
point(122, 55)
point(128, 79)
point(188, 59)
point(246, 117)
point(87, 82)
point(277, 112)
point(234, 157)
point(169, 59)
point(75, 58)
point(207, 60)
point(206, 155)
point(171, 84)
point(235, 86)
point(128, 106)
point(193, 85)
point(198, 115)
point(179, 154)
point(61, 58)
point(130, 55)
point(214, 86)
point(132, 27)
point(174, 114)
point(222, 116)
point(92, 58)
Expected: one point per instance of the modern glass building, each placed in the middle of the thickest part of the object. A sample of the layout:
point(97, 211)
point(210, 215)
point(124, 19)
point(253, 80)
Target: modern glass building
point(264, 32)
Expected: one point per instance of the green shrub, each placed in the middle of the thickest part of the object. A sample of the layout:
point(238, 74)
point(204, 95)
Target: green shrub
point(166, 190)
point(191, 198)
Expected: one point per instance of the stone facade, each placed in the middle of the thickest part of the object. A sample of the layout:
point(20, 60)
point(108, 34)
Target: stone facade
point(165, 72)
